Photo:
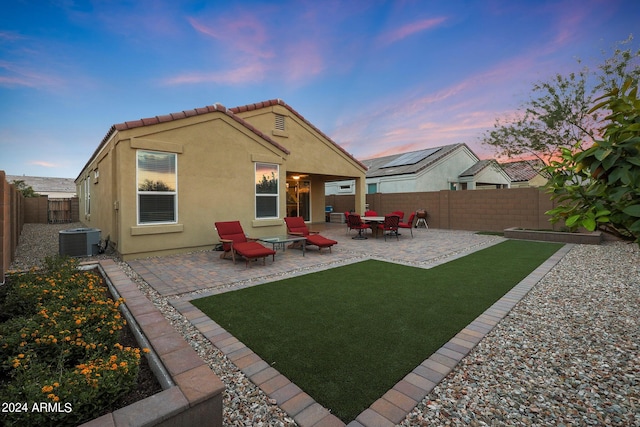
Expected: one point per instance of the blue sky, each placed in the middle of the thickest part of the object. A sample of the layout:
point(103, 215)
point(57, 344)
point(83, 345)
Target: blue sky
point(378, 77)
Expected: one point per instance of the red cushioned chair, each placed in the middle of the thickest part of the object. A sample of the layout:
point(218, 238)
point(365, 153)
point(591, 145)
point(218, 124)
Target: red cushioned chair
point(355, 223)
point(371, 213)
point(390, 225)
point(297, 227)
point(408, 224)
point(234, 241)
point(399, 213)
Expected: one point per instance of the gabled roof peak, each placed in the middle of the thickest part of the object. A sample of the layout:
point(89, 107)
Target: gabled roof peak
point(217, 107)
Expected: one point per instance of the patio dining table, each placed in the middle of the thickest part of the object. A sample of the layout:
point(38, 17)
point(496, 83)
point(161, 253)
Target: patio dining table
point(374, 221)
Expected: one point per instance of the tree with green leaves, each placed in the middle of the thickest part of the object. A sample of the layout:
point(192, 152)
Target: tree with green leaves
point(26, 190)
point(558, 114)
point(599, 187)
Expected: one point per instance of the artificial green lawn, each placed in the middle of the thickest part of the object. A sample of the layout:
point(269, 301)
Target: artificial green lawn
point(348, 334)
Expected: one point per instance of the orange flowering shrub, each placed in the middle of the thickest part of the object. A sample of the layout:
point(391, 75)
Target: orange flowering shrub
point(59, 346)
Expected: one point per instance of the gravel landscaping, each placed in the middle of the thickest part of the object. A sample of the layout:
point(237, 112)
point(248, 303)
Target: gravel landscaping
point(567, 354)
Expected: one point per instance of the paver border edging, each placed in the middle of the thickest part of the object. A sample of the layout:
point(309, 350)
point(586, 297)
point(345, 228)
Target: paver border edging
point(396, 403)
point(192, 394)
point(588, 238)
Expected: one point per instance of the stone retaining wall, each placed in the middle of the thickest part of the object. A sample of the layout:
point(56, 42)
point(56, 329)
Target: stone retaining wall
point(193, 394)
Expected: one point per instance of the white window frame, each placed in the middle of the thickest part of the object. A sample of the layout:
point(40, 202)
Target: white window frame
point(173, 193)
point(260, 195)
point(87, 196)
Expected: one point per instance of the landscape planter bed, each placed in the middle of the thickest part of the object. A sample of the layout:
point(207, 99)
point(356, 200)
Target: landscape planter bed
point(192, 393)
point(589, 238)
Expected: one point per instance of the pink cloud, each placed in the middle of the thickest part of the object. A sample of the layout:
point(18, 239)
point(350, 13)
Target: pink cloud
point(43, 164)
point(20, 76)
point(409, 30)
point(235, 76)
point(245, 34)
point(252, 57)
point(419, 119)
point(10, 36)
point(304, 60)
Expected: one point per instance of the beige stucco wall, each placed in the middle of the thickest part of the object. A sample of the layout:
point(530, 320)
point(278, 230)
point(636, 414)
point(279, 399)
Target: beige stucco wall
point(311, 153)
point(216, 170)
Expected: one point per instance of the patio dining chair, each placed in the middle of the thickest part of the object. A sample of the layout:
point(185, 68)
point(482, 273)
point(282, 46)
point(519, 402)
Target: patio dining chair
point(355, 223)
point(408, 224)
point(234, 241)
point(297, 227)
point(399, 213)
point(390, 226)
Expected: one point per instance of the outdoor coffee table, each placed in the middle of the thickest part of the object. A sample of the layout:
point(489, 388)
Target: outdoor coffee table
point(279, 242)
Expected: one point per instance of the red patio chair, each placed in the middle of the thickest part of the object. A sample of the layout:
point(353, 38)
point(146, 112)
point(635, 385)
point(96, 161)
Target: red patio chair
point(234, 241)
point(355, 223)
point(390, 225)
point(371, 213)
point(399, 213)
point(408, 224)
point(297, 227)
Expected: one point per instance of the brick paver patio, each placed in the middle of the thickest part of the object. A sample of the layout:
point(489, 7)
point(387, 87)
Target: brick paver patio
point(182, 278)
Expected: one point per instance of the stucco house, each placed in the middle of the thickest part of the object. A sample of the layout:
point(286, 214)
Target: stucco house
point(156, 186)
point(450, 167)
point(525, 173)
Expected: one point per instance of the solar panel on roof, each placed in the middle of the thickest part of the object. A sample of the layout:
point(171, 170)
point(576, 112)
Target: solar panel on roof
point(410, 158)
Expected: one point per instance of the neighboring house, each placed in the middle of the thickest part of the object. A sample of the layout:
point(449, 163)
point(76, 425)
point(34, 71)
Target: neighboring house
point(484, 175)
point(156, 186)
point(451, 167)
point(55, 188)
point(525, 173)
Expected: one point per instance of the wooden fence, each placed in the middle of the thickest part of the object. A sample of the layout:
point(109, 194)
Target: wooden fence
point(11, 221)
point(42, 210)
point(60, 211)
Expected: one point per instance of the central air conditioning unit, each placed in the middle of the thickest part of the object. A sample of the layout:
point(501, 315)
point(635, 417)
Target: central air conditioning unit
point(77, 242)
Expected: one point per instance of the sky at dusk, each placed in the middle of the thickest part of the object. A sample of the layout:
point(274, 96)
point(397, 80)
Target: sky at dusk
point(378, 77)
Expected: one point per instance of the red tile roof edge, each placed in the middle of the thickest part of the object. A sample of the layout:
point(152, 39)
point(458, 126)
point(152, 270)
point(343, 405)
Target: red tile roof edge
point(189, 113)
point(220, 108)
point(278, 101)
point(177, 116)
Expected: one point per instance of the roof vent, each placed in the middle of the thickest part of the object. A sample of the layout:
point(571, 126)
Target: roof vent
point(279, 122)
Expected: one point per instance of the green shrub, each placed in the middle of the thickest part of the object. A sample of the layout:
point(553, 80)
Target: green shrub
point(59, 346)
point(600, 187)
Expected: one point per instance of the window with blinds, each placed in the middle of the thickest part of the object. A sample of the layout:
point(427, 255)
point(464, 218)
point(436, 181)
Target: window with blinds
point(157, 184)
point(267, 190)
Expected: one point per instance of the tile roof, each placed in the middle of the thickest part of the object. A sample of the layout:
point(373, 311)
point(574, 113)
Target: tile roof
point(273, 102)
point(231, 112)
point(189, 113)
point(43, 184)
point(477, 167)
point(377, 165)
point(522, 170)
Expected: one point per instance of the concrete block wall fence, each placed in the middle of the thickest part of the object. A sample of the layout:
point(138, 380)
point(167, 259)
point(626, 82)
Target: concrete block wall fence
point(475, 210)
